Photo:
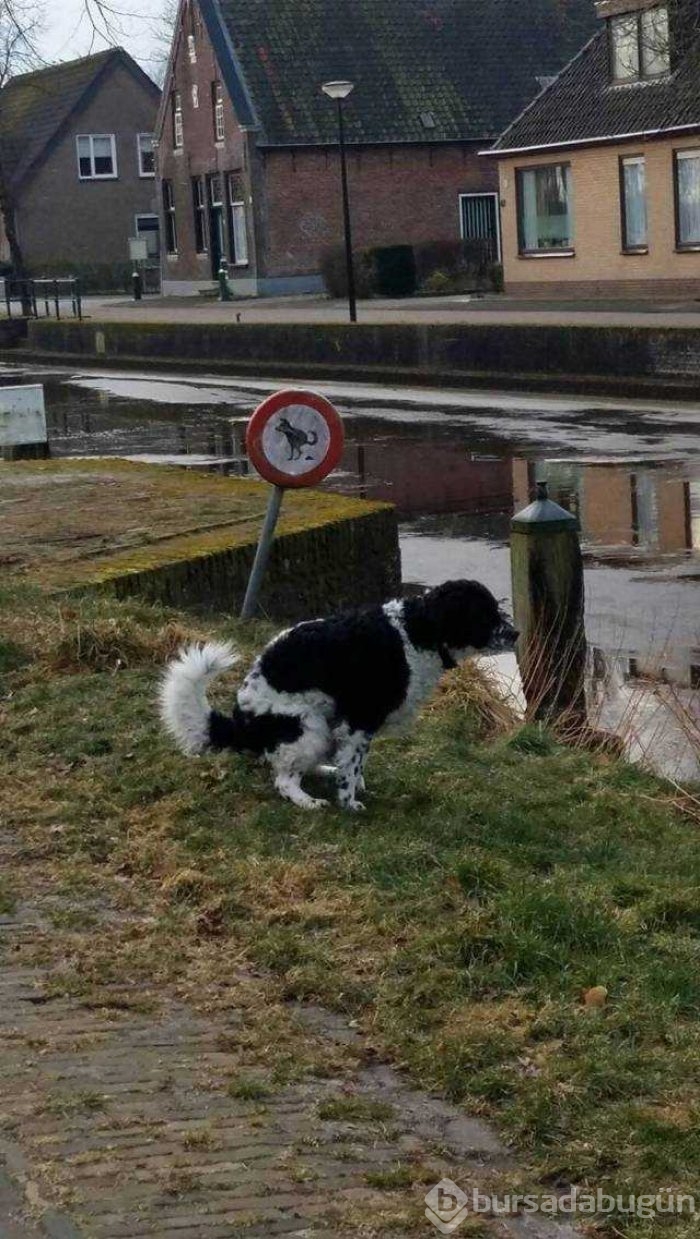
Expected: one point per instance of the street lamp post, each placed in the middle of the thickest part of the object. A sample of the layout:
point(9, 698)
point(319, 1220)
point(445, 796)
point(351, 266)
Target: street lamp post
point(340, 91)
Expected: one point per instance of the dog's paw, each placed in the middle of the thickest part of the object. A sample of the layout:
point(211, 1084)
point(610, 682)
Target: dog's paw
point(314, 805)
point(355, 806)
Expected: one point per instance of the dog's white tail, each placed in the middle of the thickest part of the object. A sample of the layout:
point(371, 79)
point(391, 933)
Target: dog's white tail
point(184, 708)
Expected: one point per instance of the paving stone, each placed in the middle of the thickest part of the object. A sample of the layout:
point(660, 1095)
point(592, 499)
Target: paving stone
point(105, 1105)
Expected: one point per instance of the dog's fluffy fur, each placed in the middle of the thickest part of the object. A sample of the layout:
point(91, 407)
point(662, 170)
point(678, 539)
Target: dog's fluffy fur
point(321, 691)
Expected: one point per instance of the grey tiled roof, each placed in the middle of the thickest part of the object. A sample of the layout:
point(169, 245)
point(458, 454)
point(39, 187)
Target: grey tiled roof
point(425, 70)
point(582, 104)
point(34, 106)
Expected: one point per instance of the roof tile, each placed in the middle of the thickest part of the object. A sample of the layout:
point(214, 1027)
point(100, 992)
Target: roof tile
point(472, 64)
point(582, 105)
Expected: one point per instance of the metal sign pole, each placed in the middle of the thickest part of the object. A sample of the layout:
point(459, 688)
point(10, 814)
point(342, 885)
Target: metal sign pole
point(263, 553)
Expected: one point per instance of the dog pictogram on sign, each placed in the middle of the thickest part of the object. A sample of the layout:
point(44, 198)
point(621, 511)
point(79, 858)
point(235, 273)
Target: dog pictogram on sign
point(295, 439)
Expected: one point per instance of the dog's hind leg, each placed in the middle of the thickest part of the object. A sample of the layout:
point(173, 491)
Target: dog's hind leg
point(290, 762)
point(351, 753)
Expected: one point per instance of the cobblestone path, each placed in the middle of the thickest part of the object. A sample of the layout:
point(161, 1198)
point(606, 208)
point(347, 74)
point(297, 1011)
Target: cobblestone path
point(117, 1123)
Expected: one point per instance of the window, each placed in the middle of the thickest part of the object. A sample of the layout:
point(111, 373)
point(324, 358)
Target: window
point(191, 19)
point(640, 45)
point(147, 159)
point(217, 98)
point(545, 209)
point(148, 229)
point(633, 194)
point(237, 230)
point(169, 217)
point(199, 206)
point(216, 190)
point(656, 43)
point(97, 156)
point(195, 96)
point(178, 137)
point(687, 164)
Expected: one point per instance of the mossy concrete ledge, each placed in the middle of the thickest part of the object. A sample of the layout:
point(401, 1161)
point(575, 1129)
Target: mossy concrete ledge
point(188, 539)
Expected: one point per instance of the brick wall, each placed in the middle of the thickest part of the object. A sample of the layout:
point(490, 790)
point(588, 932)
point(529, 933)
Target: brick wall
point(65, 220)
point(201, 153)
point(599, 266)
point(398, 194)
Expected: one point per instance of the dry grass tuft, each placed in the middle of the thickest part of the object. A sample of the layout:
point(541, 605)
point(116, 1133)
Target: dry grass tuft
point(188, 886)
point(469, 689)
point(114, 645)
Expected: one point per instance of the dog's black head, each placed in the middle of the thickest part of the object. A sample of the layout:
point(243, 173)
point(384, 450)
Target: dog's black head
point(459, 618)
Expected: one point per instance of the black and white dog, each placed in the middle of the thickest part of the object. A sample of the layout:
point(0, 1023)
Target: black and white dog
point(322, 690)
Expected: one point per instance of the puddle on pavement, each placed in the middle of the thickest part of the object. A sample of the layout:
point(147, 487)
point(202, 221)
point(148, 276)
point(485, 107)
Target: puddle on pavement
point(457, 469)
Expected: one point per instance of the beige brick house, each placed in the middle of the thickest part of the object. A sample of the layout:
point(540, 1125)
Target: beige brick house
point(600, 175)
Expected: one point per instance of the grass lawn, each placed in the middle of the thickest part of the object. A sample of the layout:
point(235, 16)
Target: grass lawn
point(495, 881)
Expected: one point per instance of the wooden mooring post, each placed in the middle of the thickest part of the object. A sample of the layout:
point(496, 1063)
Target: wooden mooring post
point(549, 602)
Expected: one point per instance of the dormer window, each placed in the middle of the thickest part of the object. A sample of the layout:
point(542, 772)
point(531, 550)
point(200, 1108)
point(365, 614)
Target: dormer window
point(640, 45)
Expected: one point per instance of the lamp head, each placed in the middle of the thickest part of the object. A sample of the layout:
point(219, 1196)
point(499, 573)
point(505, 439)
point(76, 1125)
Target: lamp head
point(338, 90)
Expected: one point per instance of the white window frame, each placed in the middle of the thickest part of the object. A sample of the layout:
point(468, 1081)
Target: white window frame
point(146, 176)
point(178, 126)
point(237, 208)
point(499, 239)
point(195, 95)
point(192, 49)
point(218, 102)
point(147, 215)
point(97, 176)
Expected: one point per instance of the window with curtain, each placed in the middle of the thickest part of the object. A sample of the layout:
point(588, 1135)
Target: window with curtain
point(545, 208)
point(237, 227)
point(655, 42)
point(625, 47)
point(688, 198)
point(640, 45)
point(635, 229)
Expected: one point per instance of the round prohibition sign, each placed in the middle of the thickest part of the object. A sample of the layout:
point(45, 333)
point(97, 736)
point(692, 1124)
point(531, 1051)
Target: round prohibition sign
point(295, 439)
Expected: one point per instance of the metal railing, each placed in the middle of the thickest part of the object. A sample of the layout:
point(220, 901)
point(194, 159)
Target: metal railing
point(43, 293)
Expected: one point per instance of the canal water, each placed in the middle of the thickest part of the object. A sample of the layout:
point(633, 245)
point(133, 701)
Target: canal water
point(457, 466)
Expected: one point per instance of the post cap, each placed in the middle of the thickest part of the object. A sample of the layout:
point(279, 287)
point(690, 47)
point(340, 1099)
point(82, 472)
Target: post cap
point(544, 512)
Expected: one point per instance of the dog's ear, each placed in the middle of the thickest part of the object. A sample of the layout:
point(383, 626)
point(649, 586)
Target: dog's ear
point(458, 615)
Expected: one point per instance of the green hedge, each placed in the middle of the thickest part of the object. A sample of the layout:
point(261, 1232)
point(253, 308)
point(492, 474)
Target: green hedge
point(437, 267)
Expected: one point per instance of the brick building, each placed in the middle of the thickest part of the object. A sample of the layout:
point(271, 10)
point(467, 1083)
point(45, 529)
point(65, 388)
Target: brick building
point(247, 143)
point(600, 176)
point(76, 151)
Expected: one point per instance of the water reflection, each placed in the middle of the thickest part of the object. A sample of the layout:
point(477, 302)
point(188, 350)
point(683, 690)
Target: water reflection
point(651, 510)
point(455, 486)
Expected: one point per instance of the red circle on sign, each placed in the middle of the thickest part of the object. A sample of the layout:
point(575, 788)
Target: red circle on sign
point(306, 425)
